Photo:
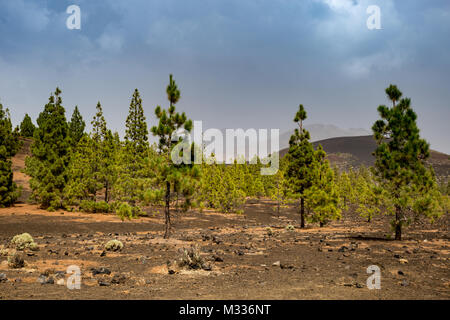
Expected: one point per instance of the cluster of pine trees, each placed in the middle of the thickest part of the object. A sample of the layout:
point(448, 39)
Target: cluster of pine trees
point(9, 145)
point(98, 172)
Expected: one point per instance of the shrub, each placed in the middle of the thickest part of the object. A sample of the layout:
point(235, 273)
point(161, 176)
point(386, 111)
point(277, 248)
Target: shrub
point(114, 245)
point(269, 231)
point(191, 258)
point(125, 211)
point(16, 261)
point(290, 227)
point(24, 241)
point(4, 252)
point(90, 206)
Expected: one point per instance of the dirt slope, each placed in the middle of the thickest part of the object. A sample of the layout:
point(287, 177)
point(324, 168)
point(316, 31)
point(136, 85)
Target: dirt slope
point(18, 164)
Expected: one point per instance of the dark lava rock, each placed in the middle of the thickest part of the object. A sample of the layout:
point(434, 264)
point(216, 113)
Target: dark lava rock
point(103, 283)
point(216, 240)
point(343, 249)
point(287, 266)
point(119, 279)
point(171, 270)
point(205, 237)
point(101, 270)
point(206, 267)
point(43, 279)
point(217, 258)
point(3, 277)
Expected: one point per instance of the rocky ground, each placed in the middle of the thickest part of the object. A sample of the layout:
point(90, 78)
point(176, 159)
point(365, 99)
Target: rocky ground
point(243, 259)
point(255, 255)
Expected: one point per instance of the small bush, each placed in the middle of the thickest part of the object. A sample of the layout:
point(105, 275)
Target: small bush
point(125, 211)
point(269, 231)
point(290, 227)
point(114, 245)
point(24, 241)
point(191, 258)
point(4, 252)
point(89, 206)
point(16, 261)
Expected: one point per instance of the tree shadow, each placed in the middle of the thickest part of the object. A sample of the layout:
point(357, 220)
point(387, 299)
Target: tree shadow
point(370, 238)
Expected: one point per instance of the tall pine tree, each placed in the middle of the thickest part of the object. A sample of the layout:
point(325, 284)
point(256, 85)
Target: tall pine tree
point(8, 147)
point(400, 159)
point(300, 161)
point(50, 151)
point(169, 173)
point(136, 134)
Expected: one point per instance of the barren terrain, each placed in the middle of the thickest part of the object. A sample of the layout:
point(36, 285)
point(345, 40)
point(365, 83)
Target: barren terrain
point(246, 262)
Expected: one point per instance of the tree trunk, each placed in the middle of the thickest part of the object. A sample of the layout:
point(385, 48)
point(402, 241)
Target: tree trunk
point(398, 223)
point(167, 211)
point(106, 192)
point(302, 213)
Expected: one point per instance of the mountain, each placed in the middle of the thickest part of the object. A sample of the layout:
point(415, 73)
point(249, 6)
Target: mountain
point(323, 131)
point(356, 151)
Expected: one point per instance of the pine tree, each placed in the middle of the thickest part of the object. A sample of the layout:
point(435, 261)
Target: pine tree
point(169, 173)
point(136, 133)
point(27, 127)
point(300, 159)
point(371, 197)
point(400, 159)
point(322, 197)
point(278, 189)
point(83, 184)
point(47, 166)
point(10, 138)
point(8, 147)
point(106, 148)
point(76, 127)
point(346, 191)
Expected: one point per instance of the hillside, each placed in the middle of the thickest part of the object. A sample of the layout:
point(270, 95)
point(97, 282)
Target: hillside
point(357, 151)
point(323, 131)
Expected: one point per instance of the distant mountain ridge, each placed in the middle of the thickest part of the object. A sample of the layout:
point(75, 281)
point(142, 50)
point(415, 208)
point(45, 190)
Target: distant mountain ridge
point(356, 151)
point(323, 131)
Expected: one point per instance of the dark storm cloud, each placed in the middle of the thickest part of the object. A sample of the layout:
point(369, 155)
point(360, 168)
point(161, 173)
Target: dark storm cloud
point(239, 63)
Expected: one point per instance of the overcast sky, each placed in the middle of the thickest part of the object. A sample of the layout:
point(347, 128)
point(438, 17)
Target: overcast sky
point(239, 63)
